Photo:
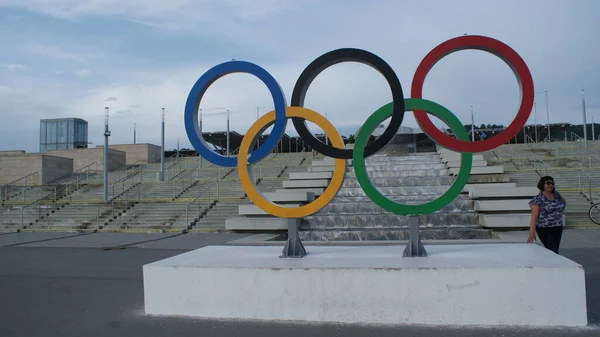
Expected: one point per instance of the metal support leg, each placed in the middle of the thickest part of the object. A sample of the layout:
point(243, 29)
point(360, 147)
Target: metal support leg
point(415, 247)
point(293, 246)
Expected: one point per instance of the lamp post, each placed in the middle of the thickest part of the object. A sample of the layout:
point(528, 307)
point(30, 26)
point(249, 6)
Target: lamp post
point(535, 121)
point(472, 125)
point(106, 135)
point(162, 146)
point(548, 115)
point(228, 133)
point(258, 137)
point(584, 117)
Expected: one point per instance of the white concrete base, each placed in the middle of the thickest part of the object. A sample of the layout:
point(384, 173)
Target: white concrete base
point(483, 284)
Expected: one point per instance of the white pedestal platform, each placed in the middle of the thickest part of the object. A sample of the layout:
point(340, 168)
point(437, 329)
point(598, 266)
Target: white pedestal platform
point(483, 284)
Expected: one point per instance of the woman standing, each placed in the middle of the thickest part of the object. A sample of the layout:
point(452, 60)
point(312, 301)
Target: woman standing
point(546, 215)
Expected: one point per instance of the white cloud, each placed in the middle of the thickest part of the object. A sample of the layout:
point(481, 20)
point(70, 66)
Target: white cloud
point(83, 73)
point(14, 67)
point(53, 52)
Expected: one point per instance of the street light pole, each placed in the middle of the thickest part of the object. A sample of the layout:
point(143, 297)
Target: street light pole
point(548, 115)
point(584, 117)
point(227, 132)
point(162, 146)
point(472, 125)
point(106, 135)
point(133, 133)
point(535, 121)
point(200, 124)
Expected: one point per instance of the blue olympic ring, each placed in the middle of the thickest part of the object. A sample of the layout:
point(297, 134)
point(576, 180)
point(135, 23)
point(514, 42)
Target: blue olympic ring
point(199, 89)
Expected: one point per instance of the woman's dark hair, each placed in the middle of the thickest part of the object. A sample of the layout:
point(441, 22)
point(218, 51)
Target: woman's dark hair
point(542, 181)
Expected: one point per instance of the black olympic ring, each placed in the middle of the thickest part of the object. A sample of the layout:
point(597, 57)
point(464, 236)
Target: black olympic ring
point(348, 55)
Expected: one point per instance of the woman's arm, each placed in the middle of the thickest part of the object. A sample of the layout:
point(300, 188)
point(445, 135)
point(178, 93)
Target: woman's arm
point(535, 212)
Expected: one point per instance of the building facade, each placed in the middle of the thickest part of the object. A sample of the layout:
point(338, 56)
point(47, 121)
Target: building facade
point(63, 134)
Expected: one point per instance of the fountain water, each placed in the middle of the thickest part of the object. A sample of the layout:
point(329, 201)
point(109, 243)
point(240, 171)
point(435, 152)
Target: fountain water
point(408, 179)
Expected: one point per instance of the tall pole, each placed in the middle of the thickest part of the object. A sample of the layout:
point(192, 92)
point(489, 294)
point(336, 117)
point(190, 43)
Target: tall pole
point(162, 146)
point(228, 132)
point(106, 135)
point(535, 120)
point(593, 131)
point(326, 138)
point(548, 114)
point(257, 109)
point(584, 117)
point(200, 124)
point(472, 125)
point(133, 133)
point(177, 147)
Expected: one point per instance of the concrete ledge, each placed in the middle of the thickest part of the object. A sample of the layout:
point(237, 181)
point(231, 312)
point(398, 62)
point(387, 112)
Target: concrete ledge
point(321, 168)
point(305, 183)
point(478, 163)
point(266, 223)
point(290, 196)
point(485, 284)
point(479, 170)
point(501, 205)
point(506, 220)
point(310, 175)
point(452, 156)
point(469, 187)
point(316, 191)
point(254, 210)
point(324, 162)
point(502, 192)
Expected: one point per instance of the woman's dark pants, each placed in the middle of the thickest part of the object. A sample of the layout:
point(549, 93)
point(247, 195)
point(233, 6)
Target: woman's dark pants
point(550, 237)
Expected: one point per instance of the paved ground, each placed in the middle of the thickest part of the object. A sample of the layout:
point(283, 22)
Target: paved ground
point(69, 284)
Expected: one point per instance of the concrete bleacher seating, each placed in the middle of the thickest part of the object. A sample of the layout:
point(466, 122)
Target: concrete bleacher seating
point(139, 202)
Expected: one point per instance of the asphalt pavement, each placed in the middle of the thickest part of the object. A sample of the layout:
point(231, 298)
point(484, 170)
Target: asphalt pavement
point(72, 284)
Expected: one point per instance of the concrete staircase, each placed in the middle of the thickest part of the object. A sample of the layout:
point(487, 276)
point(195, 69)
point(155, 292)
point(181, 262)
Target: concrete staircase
point(567, 162)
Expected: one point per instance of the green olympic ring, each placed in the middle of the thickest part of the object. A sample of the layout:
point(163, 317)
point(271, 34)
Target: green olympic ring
point(361, 172)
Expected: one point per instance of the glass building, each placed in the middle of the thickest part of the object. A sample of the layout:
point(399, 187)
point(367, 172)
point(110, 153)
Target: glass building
point(63, 133)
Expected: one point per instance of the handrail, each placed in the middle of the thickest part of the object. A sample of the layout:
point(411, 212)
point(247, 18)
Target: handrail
point(576, 136)
point(76, 171)
point(25, 177)
point(512, 151)
point(55, 194)
point(181, 179)
point(591, 180)
point(4, 196)
point(197, 198)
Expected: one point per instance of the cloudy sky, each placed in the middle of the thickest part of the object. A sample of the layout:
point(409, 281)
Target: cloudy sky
point(71, 58)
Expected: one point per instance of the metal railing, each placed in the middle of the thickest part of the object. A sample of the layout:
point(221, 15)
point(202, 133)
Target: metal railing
point(5, 189)
point(208, 200)
point(181, 181)
point(51, 197)
point(591, 181)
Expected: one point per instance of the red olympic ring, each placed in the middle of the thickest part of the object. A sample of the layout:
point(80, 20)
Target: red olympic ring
point(495, 47)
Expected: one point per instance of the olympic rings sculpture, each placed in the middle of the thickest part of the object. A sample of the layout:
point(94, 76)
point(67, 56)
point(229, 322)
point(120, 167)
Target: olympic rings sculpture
point(395, 109)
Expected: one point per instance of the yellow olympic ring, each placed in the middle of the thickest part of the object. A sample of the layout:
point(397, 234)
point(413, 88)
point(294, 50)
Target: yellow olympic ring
point(257, 198)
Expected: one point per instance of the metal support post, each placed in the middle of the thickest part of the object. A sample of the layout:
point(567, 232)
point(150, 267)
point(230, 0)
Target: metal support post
point(293, 246)
point(415, 247)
